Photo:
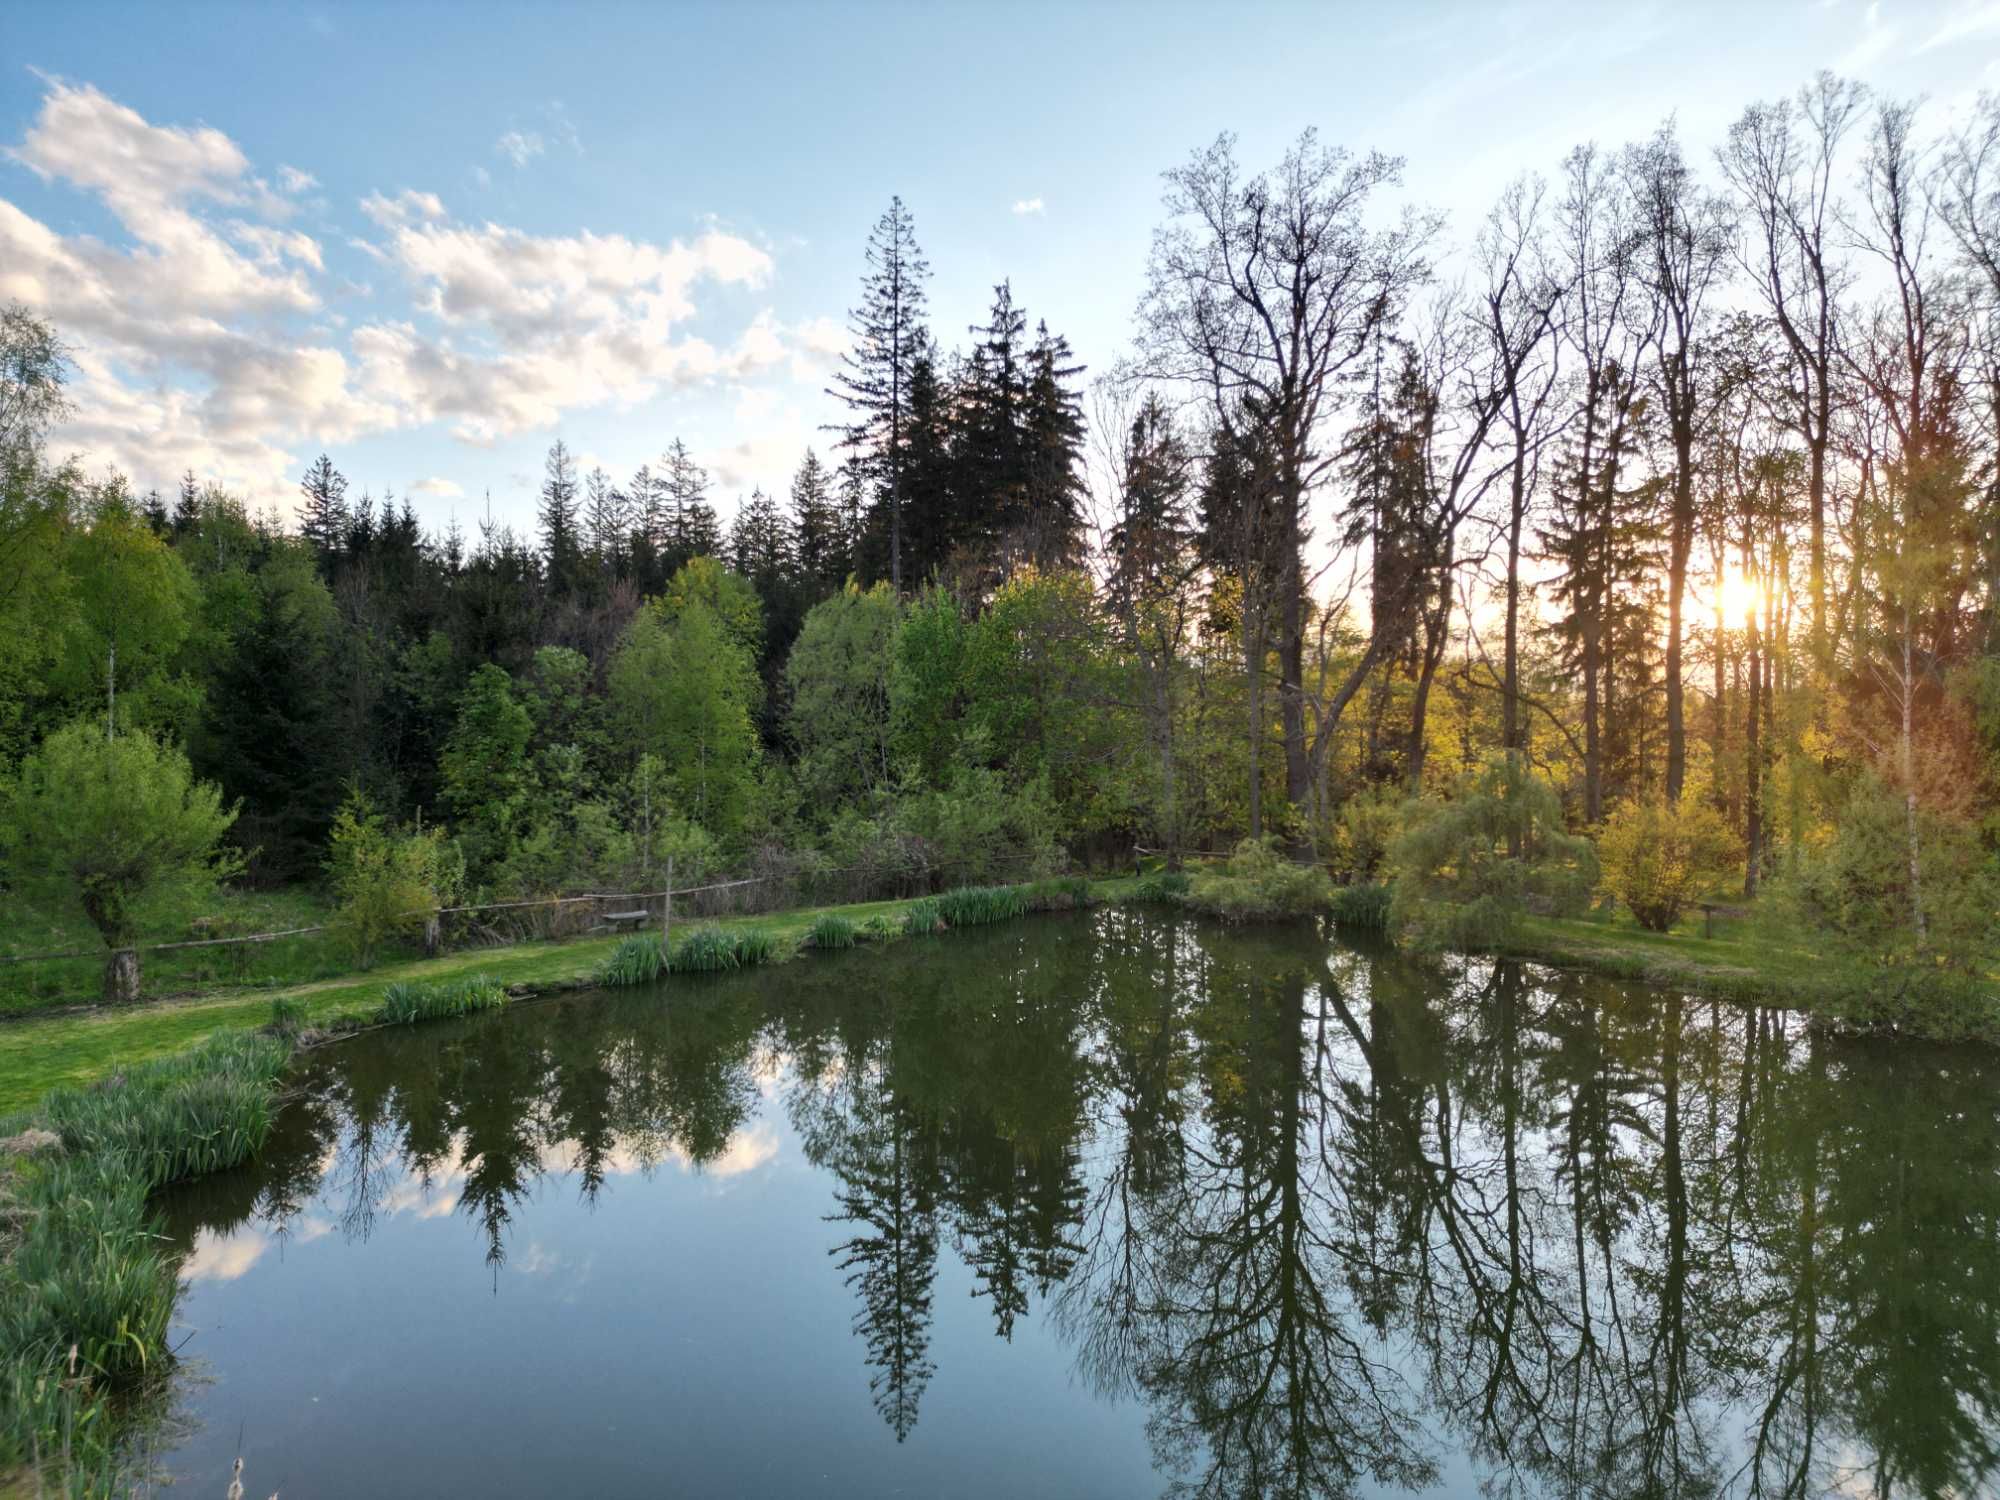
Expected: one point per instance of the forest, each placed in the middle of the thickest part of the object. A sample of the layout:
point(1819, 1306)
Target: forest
point(1630, 549)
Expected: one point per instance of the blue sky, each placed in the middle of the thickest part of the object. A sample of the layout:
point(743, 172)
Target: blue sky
point(431, 239)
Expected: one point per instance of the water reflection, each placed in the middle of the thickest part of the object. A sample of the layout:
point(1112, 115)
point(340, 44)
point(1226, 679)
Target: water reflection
point(1337, 1221)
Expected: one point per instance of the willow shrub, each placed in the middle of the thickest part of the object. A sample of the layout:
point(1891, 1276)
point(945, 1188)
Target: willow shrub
point(1658, 858)
point(1469, 869)
point(1259, 884)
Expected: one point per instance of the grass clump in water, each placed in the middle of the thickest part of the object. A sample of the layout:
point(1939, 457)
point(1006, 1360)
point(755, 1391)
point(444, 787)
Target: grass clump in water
point(710, 950)
point(830, 930)
point(923, 918)
point(407, 1002)
point(638, 960)
point(977, 905)
point(1062, 893)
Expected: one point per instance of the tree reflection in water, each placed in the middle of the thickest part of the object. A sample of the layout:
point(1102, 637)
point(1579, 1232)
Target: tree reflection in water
point(1331, 1215)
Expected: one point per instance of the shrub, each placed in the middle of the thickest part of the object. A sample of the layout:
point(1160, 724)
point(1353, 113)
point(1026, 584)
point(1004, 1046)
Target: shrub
point(385, 882)
point(976, 905)
point(710, 950)
point(830, 930)
point(1168, 887)
point(1364, 905)
point(1467, 870)
point(1365, 831)
point(288, 1017)
point(404, 1003)
point(923, 918)
point(638, 960)
point(877, 930)
point(1657, 858)
point(1258, 884)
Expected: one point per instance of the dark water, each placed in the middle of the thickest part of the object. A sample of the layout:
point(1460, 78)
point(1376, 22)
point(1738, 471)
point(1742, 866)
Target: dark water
point(1107, 1206)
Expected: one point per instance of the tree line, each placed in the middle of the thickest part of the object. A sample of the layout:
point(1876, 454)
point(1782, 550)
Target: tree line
point(1665, 498)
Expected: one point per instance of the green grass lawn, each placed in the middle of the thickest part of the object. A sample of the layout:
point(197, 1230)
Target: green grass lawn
point(39, 1053)
point(1739, 960)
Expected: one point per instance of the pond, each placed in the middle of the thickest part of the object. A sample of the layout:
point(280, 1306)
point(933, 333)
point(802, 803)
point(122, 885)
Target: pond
point(1106, 1205)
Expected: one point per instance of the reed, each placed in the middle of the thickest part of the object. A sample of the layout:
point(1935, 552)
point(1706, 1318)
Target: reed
point(1164, 887)
point(706, 950)
point(638, 960)
point(977, 905)
point(407, 1002)
point(923, 918)
point(830, 930)
point(1365, 905)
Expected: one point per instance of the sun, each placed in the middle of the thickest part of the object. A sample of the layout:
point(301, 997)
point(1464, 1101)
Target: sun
point(1739, 595)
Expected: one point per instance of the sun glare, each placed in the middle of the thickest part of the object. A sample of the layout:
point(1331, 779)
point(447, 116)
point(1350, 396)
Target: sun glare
point(1740, 595)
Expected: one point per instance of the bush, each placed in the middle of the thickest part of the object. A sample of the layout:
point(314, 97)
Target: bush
point(1467, 870)
point(923, 918)
point(1167, 887)
point(1657, 858)
point(1365, 905)
point(830, 930)
point(1365, 831)
point(385, 883)
point(404, 1003)
point(1063, 893)
point(1260, 885)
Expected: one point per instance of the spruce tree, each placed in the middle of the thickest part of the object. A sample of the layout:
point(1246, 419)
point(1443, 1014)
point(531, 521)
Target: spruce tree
point(562, 550)
point(187, 505)
point(323, 518)
point(760, 544)
point(692, 528)
point(889, 338)
point(607, 518)
point(819, 541)
point(1052, 454)
point(992, 454)
point(929, 509)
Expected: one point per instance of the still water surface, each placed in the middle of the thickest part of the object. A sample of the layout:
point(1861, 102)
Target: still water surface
point(1107, 1205)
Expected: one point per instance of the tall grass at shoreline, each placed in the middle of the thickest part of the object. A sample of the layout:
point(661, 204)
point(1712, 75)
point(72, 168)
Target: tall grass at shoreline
point(407, 1002)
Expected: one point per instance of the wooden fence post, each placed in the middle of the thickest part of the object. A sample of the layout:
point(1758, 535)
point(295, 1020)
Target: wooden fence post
point(433, 934)
point(667, 925)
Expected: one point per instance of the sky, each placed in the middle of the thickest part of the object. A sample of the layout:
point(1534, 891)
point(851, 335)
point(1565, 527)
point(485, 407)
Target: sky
point(430, 239)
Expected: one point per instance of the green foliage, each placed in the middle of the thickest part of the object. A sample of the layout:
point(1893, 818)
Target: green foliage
point(1164, 887)
point(682, 688)
point(409, 1001)
point(134, 606)
point(830, 930)
point(385, 882)
point(637, 960)
point(1365, 830)
point(926, 682)
point(1259, 884)
point(838, 678)
point(976, 905)
point(975, 826)
point(1062, 893)
point(118, 828)
point(1657, 858)
point(1363, 905)
point(288, 1017)
point(1854, 896)
point(1467, 870)
point(486, 776)
point(924, 917)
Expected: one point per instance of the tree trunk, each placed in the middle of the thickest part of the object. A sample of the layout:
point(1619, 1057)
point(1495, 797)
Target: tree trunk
point(121, 976)
point(1753, 786)
point(1681, 543)
point(1909, 759)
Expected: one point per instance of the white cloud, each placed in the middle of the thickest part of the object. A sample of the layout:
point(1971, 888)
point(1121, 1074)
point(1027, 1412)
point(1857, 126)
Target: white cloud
point(1969, 21)
point(444, 489)
point(520, 147)
point(204, 339)
point(1028, 206)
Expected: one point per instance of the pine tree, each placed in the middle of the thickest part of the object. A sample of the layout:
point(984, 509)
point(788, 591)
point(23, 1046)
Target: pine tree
point(323, 518)
point(819, 541)
point(562, 550)
point(889, 337)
